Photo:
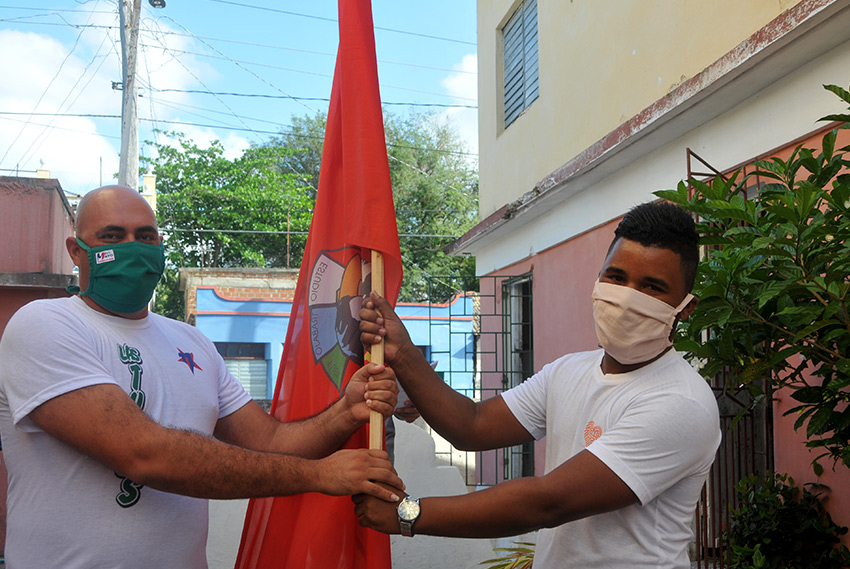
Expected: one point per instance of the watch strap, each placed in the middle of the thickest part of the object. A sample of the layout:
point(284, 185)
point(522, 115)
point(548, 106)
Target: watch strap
point(405, 525)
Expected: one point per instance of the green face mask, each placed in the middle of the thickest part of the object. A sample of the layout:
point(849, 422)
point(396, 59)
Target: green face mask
point(122, 276)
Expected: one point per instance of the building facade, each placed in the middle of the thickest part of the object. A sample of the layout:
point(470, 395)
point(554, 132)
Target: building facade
point(586, 108)
point(245, 312)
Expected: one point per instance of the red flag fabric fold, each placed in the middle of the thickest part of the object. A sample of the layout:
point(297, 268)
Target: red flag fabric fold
point(354, 214)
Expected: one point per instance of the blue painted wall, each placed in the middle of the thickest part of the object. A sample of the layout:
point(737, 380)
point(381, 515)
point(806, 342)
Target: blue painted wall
point(445, 331)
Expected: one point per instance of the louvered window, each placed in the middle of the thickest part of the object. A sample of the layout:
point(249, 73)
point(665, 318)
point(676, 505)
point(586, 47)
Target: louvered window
point(247, 363)
point(520, 54)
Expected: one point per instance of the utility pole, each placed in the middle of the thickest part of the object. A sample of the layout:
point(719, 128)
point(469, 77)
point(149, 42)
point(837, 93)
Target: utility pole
point(128, 167)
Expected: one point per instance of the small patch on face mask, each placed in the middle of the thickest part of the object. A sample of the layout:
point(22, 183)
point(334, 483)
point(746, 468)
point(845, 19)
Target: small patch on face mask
point(104, 256)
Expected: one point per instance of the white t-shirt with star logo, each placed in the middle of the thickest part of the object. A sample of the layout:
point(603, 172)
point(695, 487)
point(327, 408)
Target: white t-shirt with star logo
point(64, 508)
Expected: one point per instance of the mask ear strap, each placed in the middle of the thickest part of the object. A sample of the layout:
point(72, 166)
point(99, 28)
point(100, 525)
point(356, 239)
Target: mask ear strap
point(688, 298)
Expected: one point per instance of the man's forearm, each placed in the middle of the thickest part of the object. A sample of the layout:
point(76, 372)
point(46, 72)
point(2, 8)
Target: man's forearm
point(447, 411)
point(316, 436)
point(100, 421)
point(195, 465)
point(511, 508)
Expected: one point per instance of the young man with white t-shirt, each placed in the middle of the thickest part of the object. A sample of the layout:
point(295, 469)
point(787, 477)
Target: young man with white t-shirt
point(631, 429)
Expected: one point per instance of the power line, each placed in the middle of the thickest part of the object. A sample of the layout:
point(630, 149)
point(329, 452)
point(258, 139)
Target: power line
point(57, 10)
point(46, 89)
point(325, 99)
point(314, 52)
point(226, 127)
point(240, 63)
point(198, 79)
point(33, 147)
point(238, 42)
point(269, 232)
point(54, 127)
point(334, 20)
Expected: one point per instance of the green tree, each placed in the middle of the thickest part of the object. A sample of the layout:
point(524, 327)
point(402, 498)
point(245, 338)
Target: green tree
point(218, 212)
point(435, 190)
point(774, 285)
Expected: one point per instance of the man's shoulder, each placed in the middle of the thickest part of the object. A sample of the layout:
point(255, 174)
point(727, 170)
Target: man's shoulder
point(574, 365)
point(677, 378)
point(38, 310)
point(587, 358)
point(175, 326)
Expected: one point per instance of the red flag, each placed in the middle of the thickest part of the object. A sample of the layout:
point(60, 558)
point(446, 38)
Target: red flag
point(354, 214)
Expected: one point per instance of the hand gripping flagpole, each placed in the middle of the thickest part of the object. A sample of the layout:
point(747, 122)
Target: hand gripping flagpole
point(376, 420)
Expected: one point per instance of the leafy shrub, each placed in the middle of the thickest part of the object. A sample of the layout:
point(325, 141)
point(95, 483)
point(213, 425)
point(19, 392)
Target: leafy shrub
point(778, 526)
point(516, 558)
point(774, 289)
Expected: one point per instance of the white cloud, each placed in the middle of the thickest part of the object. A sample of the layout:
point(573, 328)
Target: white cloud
point(234, 144)
point(41, 80)
point(463, 85)
point(48, 77)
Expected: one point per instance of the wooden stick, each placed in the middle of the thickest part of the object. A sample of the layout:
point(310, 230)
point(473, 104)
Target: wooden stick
point(376, 420)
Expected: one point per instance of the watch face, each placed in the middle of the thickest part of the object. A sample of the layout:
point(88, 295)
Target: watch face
point(408, 510)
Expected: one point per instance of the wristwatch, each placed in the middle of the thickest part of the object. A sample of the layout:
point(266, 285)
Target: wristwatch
point(408, 513)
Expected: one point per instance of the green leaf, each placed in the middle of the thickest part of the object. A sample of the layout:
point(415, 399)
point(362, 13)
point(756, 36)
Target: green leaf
point(677, 196)
point(841, 92)
point(769, 292)
point(808, 395)
point(829, 144)
point(819, 422)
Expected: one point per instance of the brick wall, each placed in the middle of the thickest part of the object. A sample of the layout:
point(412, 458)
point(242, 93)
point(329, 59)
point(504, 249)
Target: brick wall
point(237, 284)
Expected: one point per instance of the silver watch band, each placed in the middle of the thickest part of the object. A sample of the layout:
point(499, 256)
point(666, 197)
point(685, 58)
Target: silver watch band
point(406, 527)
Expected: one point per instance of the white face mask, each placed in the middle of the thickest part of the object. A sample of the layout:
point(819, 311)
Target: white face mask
point(632, 327)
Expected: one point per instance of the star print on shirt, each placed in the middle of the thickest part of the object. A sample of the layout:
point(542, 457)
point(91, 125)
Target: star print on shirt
point(188, 358)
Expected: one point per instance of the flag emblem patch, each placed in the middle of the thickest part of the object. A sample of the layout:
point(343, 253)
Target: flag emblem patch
point(336, 293)
point(104, 256)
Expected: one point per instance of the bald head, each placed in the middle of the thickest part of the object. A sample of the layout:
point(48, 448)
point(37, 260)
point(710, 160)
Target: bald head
point(112, 198)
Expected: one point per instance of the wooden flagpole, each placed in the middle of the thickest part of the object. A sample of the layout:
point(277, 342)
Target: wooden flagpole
point(376, 420)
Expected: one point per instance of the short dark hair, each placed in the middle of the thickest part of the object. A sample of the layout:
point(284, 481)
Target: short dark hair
point(665, 225)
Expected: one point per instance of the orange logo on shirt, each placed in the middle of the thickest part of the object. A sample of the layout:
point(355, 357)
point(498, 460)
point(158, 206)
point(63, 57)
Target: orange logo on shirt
point(591, 433)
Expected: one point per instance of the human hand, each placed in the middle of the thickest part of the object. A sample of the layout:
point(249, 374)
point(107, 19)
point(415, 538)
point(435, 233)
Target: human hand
point(407, 413)
point(359, 471)
point(372, 388)
point(377, 514)
point(378, 321)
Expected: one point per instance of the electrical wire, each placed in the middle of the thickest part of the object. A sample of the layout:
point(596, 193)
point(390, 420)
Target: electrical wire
point(42, 135)
point(46, 89)
point(334, 20)
point(233, 128)
point(324, 99)
point(51, 11)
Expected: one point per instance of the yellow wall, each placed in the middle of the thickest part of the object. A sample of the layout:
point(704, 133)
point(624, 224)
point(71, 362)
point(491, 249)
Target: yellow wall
point(601, 62)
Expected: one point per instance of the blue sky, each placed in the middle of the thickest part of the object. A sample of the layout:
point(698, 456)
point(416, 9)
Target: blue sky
point(61, 57)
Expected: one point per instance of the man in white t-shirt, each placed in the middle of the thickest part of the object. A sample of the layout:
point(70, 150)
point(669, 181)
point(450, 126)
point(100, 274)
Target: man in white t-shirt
point(118, 424)
point(631, 429)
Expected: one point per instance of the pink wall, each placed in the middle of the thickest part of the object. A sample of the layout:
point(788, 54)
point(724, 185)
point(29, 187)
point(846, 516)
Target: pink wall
point(562, 281)
point(791, 456)
point(34, 219)
point(563, 278)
